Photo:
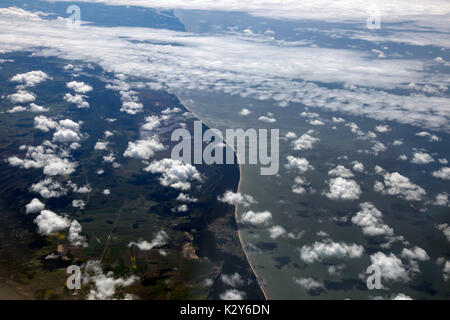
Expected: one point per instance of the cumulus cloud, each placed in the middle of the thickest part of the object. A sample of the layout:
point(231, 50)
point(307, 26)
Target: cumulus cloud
point(236, 198)
point(441, 199)
point(445, 228)
point(370, 220)
point(49, 222)
point(398, 185)
point(267, 119)
point(79, 87)
point(48, 188)
point(183, 197)
point(328, 249)
point(358, 166)
point(382, 128)
point(309, 284)
point(75, 237)
point(151, 123)
point(161, 238)
point(232, 280)
point(143, 149)
point(31, 78)
point(78, 204)
point(276, 232)
point(343, 189)
point(304, 142)
point(341, 171)
point(391, 267)
point(300, 164)
point(132, 107)
point(77, 99)
point(44, 124)
point(245, 112)
point(171, 110)
point(34, 206)
point(413, 256)
point(101, 145)
point(65, 136)
point(300, 185)
point(431, 137)
point(105, 284)
point(422, 158)
point(443, 173)
point(175, 173)
point(232, 294)
point(256, 218)
point(22, 96)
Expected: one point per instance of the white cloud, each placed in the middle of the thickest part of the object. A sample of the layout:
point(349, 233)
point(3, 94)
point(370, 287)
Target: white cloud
point(382, 128)
point(401, 296)
point(431, 137)
point(267, 119)
point(175, 173)
point(325, 250)
point(105, 284)
point(338, 120)
point(422, 158)
point(358, 166)
point(256, 218)
point(48, 188)
point(79, 87)
point(300, 186)
point(44, 124)
point(143, 149)
point(75, 238)
point(309, 284)
point(65, 136)
point(17, 109)
point(49, 222)
point(171, 110)
point(341, 171)
point(445, 228)
point(77, 99)
point(397, 185)
point(343, 189)
point(132, 107)
point(370, 220)
point(35, 108)
point(232, 294)
point(245, 112)
point(22, 96)
point(181, 208)
point(78, 204)
point(179, 64)
point(101, 145)
point(34, 206)
point(161, 238)
point(316, 122)
point(237, 198)
point(277, 232)
point(232, 280)
point(151, 123)
point(441, 199)
point(304, 142)
point(443, 173)
point(301, 164)
point(31, 78)
point(183, 197)
point(390, 266)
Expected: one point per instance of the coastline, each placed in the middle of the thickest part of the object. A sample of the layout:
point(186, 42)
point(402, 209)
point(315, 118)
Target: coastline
point(236, 206)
